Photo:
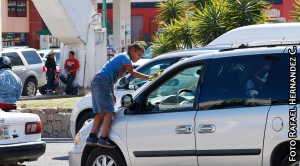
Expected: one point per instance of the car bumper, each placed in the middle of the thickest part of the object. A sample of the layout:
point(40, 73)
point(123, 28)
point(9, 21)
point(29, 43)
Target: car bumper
point(73, 128)
point(75, 158)
point(30, 151)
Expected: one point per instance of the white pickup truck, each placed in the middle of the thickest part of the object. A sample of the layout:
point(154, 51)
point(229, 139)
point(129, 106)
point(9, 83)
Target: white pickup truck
point(20, 137)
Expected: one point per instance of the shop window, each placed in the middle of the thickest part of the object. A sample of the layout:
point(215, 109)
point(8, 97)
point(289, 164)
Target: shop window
point(17, 8)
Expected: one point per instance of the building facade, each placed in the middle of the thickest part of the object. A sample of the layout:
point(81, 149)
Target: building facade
point(22, 24)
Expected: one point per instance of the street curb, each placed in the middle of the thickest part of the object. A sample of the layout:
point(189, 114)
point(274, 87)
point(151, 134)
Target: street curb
point(58, 140)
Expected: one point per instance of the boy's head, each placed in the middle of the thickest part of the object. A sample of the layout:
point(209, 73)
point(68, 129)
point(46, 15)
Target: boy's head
point(135, 51)
point(71, 54)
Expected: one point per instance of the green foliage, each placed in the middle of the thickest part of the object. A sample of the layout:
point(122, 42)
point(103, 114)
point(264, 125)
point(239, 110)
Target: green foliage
point(171, 10)
point(296, 13)
point(199, 4)
point(49, 103)
point(246, 12)
point(211, 22)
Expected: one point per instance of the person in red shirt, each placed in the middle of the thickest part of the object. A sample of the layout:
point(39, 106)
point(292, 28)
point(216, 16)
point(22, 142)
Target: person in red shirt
point(71, 66)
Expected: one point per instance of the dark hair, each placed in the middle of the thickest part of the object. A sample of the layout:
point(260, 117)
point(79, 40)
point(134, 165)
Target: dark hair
point(136, 46)
point(72, 52)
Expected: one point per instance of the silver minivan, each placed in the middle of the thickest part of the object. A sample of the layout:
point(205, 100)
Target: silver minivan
point(28, 65)
point(234, 107)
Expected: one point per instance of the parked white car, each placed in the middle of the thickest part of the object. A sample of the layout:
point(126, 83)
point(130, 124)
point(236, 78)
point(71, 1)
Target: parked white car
point(233, 110)
point(28, 66)
point(20, 137)
point(82, 112)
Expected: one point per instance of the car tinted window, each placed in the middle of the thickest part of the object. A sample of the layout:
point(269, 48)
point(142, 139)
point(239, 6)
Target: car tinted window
point(237, 81)
point(15, 59)
point(31, 57)
point(282, 80)
point(177, 93)
point(149, 70)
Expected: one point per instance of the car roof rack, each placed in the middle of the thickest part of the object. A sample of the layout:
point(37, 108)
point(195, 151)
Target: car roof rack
point(263, 44)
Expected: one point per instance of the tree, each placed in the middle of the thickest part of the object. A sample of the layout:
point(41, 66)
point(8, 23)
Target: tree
point(188, 24)
point(246, 12)
point(211, 21)
point(296, 12)
point(171, 10)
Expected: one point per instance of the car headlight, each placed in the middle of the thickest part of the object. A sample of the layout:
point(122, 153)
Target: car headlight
point(77, 139)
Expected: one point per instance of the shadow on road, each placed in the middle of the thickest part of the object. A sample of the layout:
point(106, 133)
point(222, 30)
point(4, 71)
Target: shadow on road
point(60, 158)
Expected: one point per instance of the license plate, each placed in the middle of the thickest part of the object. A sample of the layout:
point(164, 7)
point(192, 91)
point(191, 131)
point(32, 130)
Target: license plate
point(4, 132)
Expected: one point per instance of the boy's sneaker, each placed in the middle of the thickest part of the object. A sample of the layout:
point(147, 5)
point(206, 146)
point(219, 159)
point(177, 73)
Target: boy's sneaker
point(105, 143)
point(91, 141)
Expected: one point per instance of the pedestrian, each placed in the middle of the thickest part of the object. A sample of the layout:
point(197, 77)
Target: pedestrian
point(10, 85)
point(71, 66)
point(51, 68)
point(102, 90)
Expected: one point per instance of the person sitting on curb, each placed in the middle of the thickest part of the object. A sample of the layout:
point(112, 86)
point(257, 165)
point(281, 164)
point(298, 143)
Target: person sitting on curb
point(10, 86)
point(71, 66)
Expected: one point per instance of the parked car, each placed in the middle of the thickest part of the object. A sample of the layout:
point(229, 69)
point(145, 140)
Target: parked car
point(231, 108)
point(148, 54)
point(20, 137)
point(28, 65)
point(82, 112)
point(111, 52)
point(44, 54)
point(43, 89)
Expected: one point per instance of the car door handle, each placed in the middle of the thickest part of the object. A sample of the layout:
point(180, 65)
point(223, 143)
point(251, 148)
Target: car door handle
point(23, 70)
point(184, 129)
point(206, 128)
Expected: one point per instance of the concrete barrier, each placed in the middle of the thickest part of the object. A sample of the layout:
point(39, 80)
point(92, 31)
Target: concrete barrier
point(55, 121)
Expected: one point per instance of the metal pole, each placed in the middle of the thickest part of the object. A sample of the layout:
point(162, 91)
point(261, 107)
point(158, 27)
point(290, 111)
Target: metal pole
point(104, 18)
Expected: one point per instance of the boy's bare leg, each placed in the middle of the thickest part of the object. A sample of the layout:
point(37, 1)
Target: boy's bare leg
point(106, 124)
point(97, 122)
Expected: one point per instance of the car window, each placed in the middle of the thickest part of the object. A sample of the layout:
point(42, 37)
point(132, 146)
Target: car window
point(237, 81)
point(31, 57)
point(282, 86)
point(149, 70)
point(177, 93)
point(15, 59)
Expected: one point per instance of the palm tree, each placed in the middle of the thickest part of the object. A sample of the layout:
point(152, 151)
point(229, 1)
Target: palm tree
point(296, 12)
point(246, 12)
point(163, 43)
point(211, 21)
point(199, 4)
point(171, 10)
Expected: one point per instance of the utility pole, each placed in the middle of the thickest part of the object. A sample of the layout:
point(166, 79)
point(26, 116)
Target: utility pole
point(104, 17)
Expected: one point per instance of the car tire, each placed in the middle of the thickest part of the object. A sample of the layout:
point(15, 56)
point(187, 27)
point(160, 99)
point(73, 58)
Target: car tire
point(43, 90)
point(111, 156)
point(87, 117)
point(285, 161)
point(30, 87)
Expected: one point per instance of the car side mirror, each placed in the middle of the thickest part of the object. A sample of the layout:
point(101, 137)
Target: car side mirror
point(127, 101)
point(123, 82)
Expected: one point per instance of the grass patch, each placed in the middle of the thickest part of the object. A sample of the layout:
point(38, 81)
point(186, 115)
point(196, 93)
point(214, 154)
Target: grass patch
point(49, 103)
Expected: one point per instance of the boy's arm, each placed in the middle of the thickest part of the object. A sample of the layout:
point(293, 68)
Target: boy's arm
point(130, 70)
point(114, 97)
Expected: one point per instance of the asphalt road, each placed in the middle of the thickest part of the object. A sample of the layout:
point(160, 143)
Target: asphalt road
point(56, 153)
